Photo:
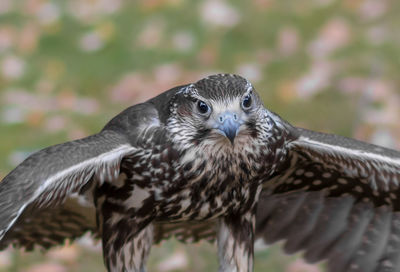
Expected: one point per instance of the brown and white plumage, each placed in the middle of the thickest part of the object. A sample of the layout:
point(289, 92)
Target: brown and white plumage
point(227, 169)
point(343, 199)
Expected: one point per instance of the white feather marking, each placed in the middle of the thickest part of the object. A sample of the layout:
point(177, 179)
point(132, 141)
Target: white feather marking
point(137, 197)
point(351, 152)
point(2, 233)
point(249, 86)
point(105, 158)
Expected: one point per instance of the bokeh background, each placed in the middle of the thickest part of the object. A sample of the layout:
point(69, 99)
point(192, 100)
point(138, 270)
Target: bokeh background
point(67, 67)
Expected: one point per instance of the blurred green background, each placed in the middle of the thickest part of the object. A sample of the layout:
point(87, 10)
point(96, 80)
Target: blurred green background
point(67, 67)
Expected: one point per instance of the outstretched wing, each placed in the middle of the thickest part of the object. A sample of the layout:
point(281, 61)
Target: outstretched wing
point(41, 200)
point(47, 178)
point(337, 199)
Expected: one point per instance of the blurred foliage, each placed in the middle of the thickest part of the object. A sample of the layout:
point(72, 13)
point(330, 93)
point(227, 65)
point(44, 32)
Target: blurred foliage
point(66, 67)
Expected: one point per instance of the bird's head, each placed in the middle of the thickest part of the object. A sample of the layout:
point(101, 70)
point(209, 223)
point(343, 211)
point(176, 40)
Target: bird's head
point(221, 108)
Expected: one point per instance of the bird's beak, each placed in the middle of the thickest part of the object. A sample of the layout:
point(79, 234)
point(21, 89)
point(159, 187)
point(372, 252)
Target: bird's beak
point(228, 124)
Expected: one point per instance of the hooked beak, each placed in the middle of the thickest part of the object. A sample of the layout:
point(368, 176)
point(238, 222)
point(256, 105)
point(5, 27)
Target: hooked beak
point(228, 124)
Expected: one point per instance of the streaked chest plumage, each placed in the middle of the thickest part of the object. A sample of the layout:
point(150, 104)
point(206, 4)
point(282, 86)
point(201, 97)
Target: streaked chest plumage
point(165, 182)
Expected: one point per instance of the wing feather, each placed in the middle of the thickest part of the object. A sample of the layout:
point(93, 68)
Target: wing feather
point(330, 225)
point(337, 199)
point(391, 257)
point(373, 242)
point(51, 225)
point(52, 174)
point(305, 221)
point(346, 245)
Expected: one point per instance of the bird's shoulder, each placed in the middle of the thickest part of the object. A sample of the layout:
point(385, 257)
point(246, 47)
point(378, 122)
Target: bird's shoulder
point(138, 121)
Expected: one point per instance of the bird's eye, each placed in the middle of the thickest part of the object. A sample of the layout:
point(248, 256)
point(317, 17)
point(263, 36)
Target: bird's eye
point(202, 107)
point(246, 102)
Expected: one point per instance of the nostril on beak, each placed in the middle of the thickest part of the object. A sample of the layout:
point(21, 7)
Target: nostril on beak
point(224, 117)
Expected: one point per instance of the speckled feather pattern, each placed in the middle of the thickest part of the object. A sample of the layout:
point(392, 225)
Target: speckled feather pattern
point(162, 169)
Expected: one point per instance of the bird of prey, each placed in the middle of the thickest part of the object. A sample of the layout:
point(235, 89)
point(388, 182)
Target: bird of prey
point(208, 161)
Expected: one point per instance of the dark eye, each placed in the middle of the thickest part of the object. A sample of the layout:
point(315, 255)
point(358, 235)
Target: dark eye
point(246, 102)
point(202, 107)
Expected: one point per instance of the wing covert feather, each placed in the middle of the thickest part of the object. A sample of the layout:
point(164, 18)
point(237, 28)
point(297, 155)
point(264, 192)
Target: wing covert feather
point(349, 209)
point(50, 175)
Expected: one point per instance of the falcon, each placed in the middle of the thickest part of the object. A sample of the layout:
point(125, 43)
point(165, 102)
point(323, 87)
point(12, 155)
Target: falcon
point(208, 161)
